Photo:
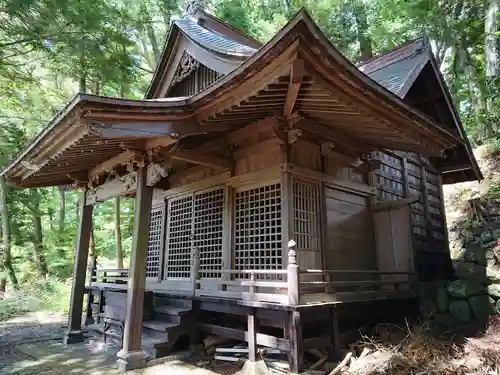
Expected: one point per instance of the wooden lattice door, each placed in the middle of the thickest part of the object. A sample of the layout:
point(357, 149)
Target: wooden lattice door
point(195, 220)
point(257, 235)
point(153, 260)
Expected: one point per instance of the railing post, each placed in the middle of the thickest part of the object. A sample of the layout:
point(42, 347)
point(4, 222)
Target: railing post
point(252, 288)
point(89, 319)
point(293, 274)
point(195, 268)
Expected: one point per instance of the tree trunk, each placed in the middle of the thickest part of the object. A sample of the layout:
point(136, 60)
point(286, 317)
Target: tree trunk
point(365, 43)
point(491, 51)
point(62, 208)
point(118, 235)
point(476, 92)
point(3, 286)
point(41, 264)
point(7, 254)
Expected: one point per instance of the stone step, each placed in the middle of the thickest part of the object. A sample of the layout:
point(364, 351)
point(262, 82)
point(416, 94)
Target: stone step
point(175, 302)
point(159, 325)
point(172, 310)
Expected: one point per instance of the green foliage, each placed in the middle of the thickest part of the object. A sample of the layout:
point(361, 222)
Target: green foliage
point(49, 294)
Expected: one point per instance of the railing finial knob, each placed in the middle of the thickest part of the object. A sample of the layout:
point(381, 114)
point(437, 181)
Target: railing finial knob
point(292, 253)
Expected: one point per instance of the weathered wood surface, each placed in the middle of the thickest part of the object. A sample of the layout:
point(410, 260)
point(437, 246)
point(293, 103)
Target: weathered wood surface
point(80, 265)
point(349, 228)
point(137, 270)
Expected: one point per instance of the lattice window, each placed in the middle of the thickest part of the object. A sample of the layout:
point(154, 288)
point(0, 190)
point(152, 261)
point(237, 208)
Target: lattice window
point(208, 216)
point(179, 229)
point(305, 215)
point(154, 242)
point(257, 241)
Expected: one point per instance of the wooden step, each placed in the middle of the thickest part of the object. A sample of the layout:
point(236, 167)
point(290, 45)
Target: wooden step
point(159, 325)
point(172, 310)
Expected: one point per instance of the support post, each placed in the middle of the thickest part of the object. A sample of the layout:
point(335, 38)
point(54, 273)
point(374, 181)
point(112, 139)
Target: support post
point(292, 275)
point(252, 328)
point(335, 333)
point(296, 355)
point(74, 333)
point(195, 268)
point(131, 356)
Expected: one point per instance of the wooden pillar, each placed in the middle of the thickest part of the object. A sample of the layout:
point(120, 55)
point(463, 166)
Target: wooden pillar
point(292, 275)
point(74, 333)
point(335, 332)
point(296, 354)
point(253, 327)
point(131, 356)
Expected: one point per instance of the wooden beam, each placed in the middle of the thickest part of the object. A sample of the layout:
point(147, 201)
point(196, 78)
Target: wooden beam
point(391, 205)
point(200, 159)
point(148, 130)
point(107, 166)
point(237, 334)
point(114, 187)
point(297, 72)
point(75, 333)
point(131, 356)
point(328, 151)
point(455, 168)
point(160, 142)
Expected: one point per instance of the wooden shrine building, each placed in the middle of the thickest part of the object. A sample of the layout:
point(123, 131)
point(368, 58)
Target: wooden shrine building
point(279, 188)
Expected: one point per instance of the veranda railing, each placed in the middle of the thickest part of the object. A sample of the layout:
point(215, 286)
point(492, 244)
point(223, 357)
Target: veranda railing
point(290, 286)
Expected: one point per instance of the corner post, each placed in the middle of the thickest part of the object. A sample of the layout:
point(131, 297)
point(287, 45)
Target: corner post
point(293, 275)
point(74, 333)
point(131, 355)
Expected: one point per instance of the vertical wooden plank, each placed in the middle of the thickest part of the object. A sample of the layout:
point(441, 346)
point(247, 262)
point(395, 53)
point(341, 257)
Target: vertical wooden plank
point(406, 186)
point(425, 201)
point(252, 328)
point(227, 242)
point(322, 224)
point(74, 333)
point(287, 230)
point(161, 273)
point(295, 337)
point(131, 356)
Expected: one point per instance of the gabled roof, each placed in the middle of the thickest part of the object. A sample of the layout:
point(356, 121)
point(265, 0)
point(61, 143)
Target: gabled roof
point(208, 33)
point(398, 71)
point(211, 40)
point(332, 93)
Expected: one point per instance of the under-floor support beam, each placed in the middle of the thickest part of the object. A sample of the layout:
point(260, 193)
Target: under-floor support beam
point(131, 356)
point(74, 333)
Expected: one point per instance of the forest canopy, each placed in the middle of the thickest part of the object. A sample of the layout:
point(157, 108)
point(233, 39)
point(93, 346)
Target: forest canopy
point(52, 49)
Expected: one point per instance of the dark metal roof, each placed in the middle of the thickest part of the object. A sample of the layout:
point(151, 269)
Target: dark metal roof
point(397, 71)
point(394, 69)
point(211, 40)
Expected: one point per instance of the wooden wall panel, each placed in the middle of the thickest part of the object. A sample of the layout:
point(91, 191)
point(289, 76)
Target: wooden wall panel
point(191, 175)
point(404, 174)
point(349, 232)
point(306, 154)
point(343, 172)
point(257, 157)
